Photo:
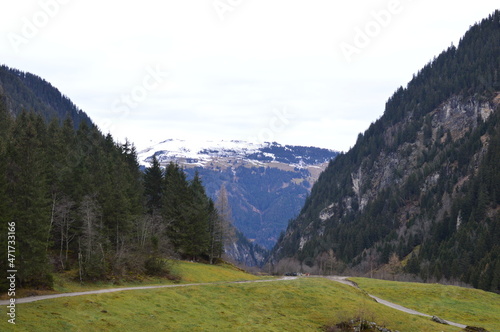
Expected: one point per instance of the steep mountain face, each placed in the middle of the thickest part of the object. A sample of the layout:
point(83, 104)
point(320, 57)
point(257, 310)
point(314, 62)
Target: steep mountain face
point(422, 183)
point(27, 92)
point(266, 183)
point(245, 252)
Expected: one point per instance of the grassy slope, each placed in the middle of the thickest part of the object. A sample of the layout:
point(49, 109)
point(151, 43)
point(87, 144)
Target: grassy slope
point(193, 272)
point(297, 305)
point(190, 273)
point(462, 305)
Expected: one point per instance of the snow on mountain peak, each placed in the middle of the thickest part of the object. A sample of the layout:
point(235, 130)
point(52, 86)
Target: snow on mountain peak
point(199, 153)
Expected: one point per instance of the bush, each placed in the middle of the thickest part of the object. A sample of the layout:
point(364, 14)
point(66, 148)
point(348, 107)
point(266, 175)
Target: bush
point(156, 266)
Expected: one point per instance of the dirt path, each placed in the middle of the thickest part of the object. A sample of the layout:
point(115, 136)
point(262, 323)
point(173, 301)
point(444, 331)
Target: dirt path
point(112, 290)
point(390, 304)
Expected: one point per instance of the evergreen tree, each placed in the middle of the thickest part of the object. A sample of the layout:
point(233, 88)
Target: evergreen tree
point(176, 207)
point(198, 220)
point(154, 186)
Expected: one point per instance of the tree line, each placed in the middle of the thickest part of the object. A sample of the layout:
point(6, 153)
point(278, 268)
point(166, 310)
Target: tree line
point(79, 202)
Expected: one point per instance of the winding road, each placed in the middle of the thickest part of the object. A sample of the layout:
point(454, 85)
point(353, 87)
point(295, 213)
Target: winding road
point(342, 280)
point(390, 304)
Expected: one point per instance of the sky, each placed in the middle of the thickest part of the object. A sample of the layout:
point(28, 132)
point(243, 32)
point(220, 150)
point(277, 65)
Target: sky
point(298, 72)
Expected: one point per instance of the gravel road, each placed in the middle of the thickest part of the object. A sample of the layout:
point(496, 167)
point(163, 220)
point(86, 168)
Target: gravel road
point(112, 290)
point(390, 304)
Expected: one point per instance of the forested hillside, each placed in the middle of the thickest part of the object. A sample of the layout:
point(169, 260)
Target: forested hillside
point(25, 91)
point(422, 182)
point(75, 199)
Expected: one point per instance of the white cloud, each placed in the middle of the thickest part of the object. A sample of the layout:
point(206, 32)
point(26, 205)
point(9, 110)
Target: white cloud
point(227, 76)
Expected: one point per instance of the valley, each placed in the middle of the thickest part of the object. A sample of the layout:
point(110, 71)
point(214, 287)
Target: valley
point(98, 235)
point(266, 183)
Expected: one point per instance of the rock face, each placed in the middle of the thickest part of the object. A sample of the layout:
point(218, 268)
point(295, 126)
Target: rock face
point(404, 191)
point(246, 253)
point(448, 123)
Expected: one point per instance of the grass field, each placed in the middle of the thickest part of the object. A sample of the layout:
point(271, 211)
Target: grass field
point(193, 272)
point(304, 304)
point(189, 272)
point(461, 305)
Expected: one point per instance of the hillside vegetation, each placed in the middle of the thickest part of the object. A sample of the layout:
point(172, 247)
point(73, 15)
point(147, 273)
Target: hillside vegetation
point(76, 199)
point(423, 181)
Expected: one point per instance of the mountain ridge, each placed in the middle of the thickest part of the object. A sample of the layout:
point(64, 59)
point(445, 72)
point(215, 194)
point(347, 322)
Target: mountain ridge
point(193, 153)
point(24, 91)
point(421, 183)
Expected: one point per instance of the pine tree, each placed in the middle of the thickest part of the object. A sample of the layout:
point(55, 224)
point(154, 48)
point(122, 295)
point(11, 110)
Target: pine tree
point(154, 186)
point(91, 255)
point(198, 220)
point(175, 210)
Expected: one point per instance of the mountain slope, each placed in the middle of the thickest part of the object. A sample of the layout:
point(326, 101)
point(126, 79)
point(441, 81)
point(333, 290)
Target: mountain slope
point(25, 91)
point(422, 181)
point(266, 183)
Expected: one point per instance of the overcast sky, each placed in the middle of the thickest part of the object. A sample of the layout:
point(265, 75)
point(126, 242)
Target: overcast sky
point(303, 72)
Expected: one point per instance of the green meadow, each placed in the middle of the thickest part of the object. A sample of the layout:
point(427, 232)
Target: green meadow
point(303, 304)
point(466, 306)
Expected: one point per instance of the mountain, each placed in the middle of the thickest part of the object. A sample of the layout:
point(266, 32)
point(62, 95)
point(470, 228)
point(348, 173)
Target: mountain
point(27, 92)
point(267, 183)
point(422, 183)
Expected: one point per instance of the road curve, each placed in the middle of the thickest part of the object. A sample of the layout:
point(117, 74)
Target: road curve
point(390, 304)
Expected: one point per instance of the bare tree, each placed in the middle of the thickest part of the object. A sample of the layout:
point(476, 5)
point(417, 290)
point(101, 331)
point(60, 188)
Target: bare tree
point(222, 229)
point(89, 213)
point(92, 261)
point(287, 265)
point(63, 220)
point(394, 264)
point(327, 262)
point(151, 234)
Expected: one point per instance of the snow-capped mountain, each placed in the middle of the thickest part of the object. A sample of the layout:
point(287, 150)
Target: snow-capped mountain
point(225, 153)
point(266, 183)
